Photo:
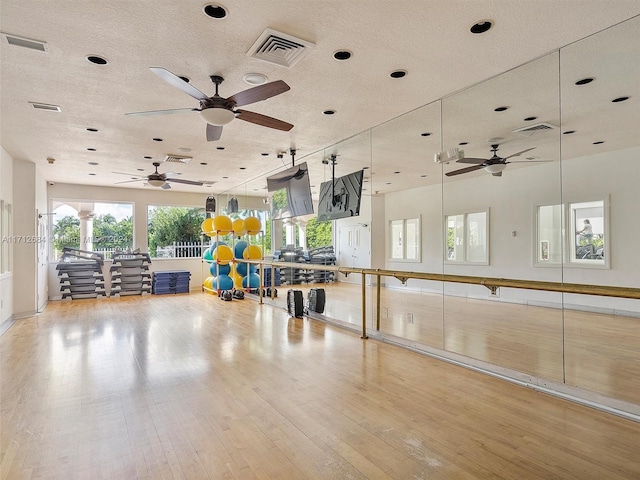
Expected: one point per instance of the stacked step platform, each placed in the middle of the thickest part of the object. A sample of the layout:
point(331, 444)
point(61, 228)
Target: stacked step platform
point(80, 273)
point(321, 256)
point(291, 275)
point(130, 274)
point(171, 281)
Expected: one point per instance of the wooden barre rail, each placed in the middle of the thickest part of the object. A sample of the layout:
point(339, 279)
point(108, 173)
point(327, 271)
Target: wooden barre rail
point(489, 282)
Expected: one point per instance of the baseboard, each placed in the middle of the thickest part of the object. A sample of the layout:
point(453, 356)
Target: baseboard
point(6, 325)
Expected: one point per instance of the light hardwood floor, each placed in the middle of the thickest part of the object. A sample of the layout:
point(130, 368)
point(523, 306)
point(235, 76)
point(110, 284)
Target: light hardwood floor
point(189, 386)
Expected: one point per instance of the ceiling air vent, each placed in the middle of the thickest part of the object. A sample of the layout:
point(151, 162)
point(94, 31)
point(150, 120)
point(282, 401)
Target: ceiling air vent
point(530, 130)
point(45, 106)
point(177, 159)
point(279, 48)
point(25, 42)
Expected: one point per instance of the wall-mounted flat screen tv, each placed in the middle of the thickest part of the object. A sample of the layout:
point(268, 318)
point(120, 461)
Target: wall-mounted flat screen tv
point(290, 192)
point(341, 198)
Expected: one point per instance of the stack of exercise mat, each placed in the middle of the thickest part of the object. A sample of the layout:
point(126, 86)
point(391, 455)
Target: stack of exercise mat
point(171, 281)
point(80, 273)
point(130, 274)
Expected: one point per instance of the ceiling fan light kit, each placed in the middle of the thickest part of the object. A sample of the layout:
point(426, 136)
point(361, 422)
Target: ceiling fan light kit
point(155, 182)
point(217, 116)
point(495, 168)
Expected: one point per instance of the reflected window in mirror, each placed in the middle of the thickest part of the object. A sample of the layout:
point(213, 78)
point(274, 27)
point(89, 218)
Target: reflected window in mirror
point(468, 238)
point(588, 233)
point(548, 235)
point(405, 239)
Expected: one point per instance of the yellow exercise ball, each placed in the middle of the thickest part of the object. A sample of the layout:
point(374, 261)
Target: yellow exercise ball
point(238, 227)
point(223, 254)
point(253, 225)
point(252, 252)
point(207, 282)
point(237, 281)
point(207, 227)
point(222, 224)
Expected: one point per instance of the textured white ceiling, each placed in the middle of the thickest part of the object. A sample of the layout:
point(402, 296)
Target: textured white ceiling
point(429, 39)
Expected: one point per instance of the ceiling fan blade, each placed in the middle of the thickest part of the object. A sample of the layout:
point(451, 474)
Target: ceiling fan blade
point(465, 170)
point(166, 186)
point(530, 161)
point(263, 120)
point(130, 174)
point(187, 182)
point(471, 160)
point(165, 112)
point(213, 132)
point(519, 153)
point(259, 93)
point(177, 82)
point(131, 181)
point(497, 174)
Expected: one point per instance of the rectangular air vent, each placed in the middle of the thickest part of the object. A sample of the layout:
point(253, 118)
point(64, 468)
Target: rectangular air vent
point(25, 42)
point(279, 48)
point(46, 106)
point(530, 130)
point(177, 159)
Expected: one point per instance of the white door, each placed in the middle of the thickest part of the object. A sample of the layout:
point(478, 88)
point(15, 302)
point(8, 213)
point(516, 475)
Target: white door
point(354, 250)
point(43, 262)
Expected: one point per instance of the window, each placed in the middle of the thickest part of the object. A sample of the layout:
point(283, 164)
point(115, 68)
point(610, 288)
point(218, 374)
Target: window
point(405, 239)
point(467, 238)
point(100, 227)
point(549, 235)
point(588, 233)
point(175, 232)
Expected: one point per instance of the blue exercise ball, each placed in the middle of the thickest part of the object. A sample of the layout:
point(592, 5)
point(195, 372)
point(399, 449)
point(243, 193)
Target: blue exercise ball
point(213, 246)
point(217, 269)
point(223, 282)
point(251, 281)
point(238, 248)
point(242, 269)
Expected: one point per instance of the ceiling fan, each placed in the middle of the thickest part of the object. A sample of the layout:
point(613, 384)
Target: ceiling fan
point(494, 165)
point(218, 111)
point(157, 179)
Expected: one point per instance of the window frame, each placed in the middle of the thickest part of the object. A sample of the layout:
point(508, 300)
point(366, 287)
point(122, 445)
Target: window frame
point(402, 254)
point(465, 245)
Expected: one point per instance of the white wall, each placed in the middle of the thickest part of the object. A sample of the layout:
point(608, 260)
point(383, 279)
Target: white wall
point(512, 200)
point(6, 194)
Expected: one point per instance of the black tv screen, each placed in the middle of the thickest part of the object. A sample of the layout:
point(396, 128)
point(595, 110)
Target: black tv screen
point(290, 192)
point(341, 198)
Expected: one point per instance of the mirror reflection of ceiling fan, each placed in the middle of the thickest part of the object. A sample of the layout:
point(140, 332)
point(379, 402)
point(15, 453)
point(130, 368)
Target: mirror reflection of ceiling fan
point(494, 165)
point(218, 111)
point(157, 179)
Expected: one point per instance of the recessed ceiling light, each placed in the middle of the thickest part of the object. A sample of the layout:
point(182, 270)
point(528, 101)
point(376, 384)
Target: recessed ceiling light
point(329, 112)
point(388, 183)
point(264, 154)
point(204, 163)
point(92, 163)
point(92, 129)
point(243, 168)
point(398, 74)
point(598, 142)
point(225, 177)
point(500, 109)
point(91, 149)
point(92, 174)
point(219, 148)
point(366, 181)
point(463, 143)
point(96, 59)
point(529, 119)
point(481, 26)
point(342, 55)
point(148, 158)
point(425, 134)
point(215, 11)
point(584, 81)
point(620, 99)
point(158, 140)
point(396, 172)
point(184, 79)
point(140, 169)
point(255, 78)
point(568, 132)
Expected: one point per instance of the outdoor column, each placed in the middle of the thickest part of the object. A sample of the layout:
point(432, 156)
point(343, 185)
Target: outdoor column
point(86, 230)
point(302, 233)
